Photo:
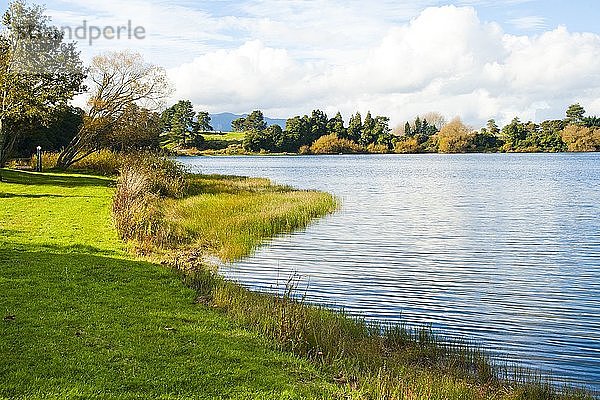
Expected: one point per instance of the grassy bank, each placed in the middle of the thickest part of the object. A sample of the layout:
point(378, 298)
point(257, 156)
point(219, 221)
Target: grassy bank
point(80, 318)
point(231, 216)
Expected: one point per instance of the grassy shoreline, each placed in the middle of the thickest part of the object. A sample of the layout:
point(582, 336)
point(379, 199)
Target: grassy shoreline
point(139, 310)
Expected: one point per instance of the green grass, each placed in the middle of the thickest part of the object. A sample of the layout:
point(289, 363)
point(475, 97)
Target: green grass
point(231, 216)
point(227, 136)
point(79, 318)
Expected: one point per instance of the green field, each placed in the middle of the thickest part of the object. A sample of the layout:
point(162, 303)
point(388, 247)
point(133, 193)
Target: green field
point(82, 319)
point(226, 136)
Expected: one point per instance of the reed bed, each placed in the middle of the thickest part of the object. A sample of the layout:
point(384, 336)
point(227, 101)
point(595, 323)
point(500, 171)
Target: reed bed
point(371, 360)
point(232, 223)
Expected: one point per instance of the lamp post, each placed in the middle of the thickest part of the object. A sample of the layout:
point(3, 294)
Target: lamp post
point(38, 167)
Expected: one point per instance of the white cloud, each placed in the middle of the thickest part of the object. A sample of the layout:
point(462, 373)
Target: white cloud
point(445, 59)
point(288, 57)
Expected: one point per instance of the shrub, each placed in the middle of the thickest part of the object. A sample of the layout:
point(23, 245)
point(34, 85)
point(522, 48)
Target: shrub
point(377, 148)
point(304, 150)
point(165, 176)
point(581, 138)
point(104, 162)
point(407, 145)
point(331, 144)
point(48, 160)
point(134, 208)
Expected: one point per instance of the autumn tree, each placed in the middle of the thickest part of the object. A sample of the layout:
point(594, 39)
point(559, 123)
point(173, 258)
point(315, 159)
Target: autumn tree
point(581, 138)
point(455, 137)
point(117, 80)
point(39, 73)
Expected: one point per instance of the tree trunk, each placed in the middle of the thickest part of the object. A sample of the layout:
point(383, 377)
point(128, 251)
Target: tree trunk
point(2, 142)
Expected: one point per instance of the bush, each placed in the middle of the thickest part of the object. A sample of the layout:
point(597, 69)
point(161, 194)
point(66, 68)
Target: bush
point(377, 148)
point(407, 145)
point(304, 150)
point(48, 160)
point(165, 176)
point(137, 205)
point(331, 144)
point(104, 162)
point(135, 208)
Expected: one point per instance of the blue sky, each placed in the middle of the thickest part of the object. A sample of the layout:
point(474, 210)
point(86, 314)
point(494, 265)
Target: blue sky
point(476, 59)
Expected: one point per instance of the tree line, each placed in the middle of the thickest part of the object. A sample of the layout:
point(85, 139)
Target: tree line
point(429, 133)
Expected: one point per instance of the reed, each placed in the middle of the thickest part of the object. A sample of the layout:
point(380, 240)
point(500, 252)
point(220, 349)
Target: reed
point(370, 360)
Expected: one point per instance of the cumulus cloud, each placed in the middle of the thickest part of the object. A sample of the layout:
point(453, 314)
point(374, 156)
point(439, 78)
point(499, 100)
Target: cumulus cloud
point(445, 59)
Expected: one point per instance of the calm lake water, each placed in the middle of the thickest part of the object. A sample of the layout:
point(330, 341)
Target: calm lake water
point(503, 249)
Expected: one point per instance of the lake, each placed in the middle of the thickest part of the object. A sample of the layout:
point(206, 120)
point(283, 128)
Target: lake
point(503, 249)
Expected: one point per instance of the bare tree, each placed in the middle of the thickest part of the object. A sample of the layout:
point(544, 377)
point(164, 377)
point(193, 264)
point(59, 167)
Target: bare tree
point(435, 118)
point(117, 80)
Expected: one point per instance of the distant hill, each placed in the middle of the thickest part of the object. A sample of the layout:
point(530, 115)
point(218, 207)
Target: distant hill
point(222, 121)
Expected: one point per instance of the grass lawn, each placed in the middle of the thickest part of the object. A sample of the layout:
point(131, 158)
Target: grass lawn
point(227, 136)
point(80, 318)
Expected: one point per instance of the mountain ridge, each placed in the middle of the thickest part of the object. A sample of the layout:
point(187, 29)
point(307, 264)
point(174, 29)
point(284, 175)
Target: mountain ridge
point(222, 121)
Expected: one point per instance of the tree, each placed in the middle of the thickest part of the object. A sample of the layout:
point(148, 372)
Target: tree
point(53, 137)
point(138, 129)
point(117, 80)
point(575, 114)
point(435, 119)
point(382, 133)
point(581, 138)
point(407, 129)
point(355, 127)
point(203, 122)
point(455, 137)
point(237, 125)
point(178, 125)
point(39, 73)
point(297, 133)
point(514, 134)
point(592, 122)
point(255, 121)
point(318, 125)
point(492, 128)
point(367, 137)
point(336, 126)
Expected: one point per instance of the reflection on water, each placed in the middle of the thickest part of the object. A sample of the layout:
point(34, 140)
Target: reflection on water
point(502, 249)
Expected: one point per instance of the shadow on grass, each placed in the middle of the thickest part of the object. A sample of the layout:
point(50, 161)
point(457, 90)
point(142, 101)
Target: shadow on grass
point(74, 249)
point(32, 196)
point(52, 179)
point(107, 328)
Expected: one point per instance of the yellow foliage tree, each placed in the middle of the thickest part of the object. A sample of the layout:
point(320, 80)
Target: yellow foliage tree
point(455, 137)
point(331, 144)
point(580, 138)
